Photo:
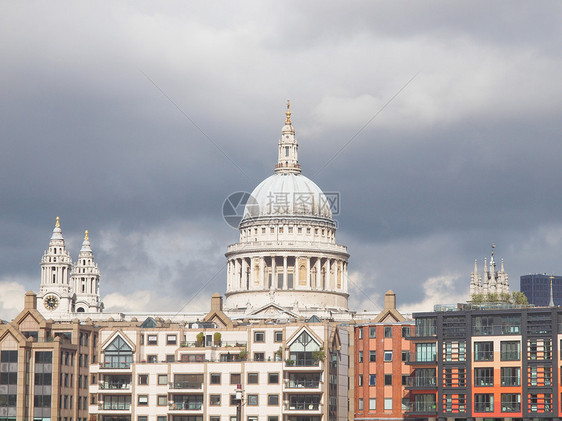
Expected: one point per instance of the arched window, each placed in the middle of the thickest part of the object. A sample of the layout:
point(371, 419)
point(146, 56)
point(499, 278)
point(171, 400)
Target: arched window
point(80, 310)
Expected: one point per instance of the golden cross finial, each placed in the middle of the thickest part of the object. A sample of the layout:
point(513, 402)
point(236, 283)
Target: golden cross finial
point(288, 113)
point(86, 235)
point(57, 225)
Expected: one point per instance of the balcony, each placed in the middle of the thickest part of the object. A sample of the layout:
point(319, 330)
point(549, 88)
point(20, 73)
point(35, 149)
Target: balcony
point(422, 408)
point(114, 386)
point(115, 365)
point(303, 407)
point(185, 385)
point(422, 383)
point(422, 360)
point(114, 406)
point(303, 365)
point(302, 384)
point(186, 406)
point(223, 344)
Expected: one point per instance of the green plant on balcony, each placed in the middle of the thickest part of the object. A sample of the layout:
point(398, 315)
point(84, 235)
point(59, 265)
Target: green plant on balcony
point(290, 362)
point(243, 354)
point(319, 355)
point(279, 354)
point(200, 338)
point(217, 338)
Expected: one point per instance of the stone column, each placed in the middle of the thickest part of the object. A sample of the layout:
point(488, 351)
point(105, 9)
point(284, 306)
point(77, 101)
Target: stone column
point(308, 285)
point(262, 271)
point(273, 274)
point(318, 273)
point(285, 273)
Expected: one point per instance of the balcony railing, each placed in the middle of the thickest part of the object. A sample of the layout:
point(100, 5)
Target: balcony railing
point(185, 385)
point(303, 384)
point(115, 386)
point(115, 365)
point(302, 406)
point(186, 406)
point(423, 407)
point(425, 359)
point(429, 381)
point(115, 406)
point(302, 363)
point(223, 344)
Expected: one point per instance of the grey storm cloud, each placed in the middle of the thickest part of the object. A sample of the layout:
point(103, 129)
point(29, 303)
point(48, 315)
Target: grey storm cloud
point(136, 121)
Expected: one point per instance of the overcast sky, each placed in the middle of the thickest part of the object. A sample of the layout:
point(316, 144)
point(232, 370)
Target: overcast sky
point(135, 120)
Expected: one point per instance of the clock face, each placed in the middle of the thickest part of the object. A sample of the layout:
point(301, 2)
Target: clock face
point(51, 302)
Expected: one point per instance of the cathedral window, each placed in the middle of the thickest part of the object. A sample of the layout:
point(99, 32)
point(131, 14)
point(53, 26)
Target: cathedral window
point(290, 230)
point(286, 151)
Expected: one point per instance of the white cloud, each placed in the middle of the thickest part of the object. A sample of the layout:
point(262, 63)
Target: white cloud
point(12, 294)
point(437, 290)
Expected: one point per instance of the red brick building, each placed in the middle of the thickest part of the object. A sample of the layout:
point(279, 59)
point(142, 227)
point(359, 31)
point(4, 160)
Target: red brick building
point(381, 374)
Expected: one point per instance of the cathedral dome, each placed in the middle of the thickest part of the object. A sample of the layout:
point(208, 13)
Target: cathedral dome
point(287, 195)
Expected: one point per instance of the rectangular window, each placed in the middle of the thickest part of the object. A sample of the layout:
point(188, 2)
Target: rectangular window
point(143, 379)
point(162, 379)
point(215, 378)
point(426, 352)
point(360, 356)
point(233, 400)
point(388, 379)
point(214, 400)
point(171, 339)
point(483, 351)
point(406, 331)
point(387, 404)
point(511, 402)
point(372, 404)
point(360, 404)
point(273, 378)
point(278, 336)
point(252, 400)
point(272, 418)
point(372, 332)
point(143, 400)
point(372, 379)
point(152, 339)
point(372, 356)
point(360, 333)
point(259, 356)
point(483, 377)
point(405, 378)
point(140, 418)
point(388, 356)
point(162, 400)
point(510, 351)
point(510, 376)
point(253, 378)
point(388, 331)
point(170, 358)
point(211, 418)
point(405, 356)
point(235, 378)
point(273, 400)
point(360, 379)
point(483, 402)
point(259, 336)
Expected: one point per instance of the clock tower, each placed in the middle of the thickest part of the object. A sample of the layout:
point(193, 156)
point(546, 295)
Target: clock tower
point(55, 293)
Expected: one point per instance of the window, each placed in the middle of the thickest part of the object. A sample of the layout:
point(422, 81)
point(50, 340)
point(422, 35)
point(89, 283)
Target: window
point(170, 358)
point(425, 352)
point(171, 340)
point(388, 331)
point(483, 351)
point(259, 336)
point(252, 400)
point(510, 350)
point(259, 356)
point(406, 331)
point(273, 400)
point(387, 404)
point(483, 377)
point(360, 380)
point(388, 355)
point(162, 400)
point(372, 356)
point(278, 336)
point(141, 418)
point(510, 376)
point(273, 418)
point(143, 400)
point(372, 404)
point(143, 379)
point(211, 418)
point(388, 380)
point(233, 400)
point(273, 378)
point(235, 378)
point(164, 418)
point(360, 333)
point(405, 356)
point(152, 339)
point(372, 332)
point(253, 378)
point(215, 378)
point(152, 359)
point(360, 405)
point(511, 402)
point(372, 379)
point(360, 356)
point(162, 379)
point(483, 402)
point(214, 400)
point(405, 378)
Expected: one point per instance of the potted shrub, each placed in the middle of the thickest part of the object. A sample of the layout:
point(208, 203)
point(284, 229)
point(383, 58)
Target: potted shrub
point(318, 355)
point(200, 338)
point(243, 354)
point(217, 338)
point(279, 354)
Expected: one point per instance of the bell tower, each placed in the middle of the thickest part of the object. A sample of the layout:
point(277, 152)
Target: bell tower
point(85, 281)
point(55, 293)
